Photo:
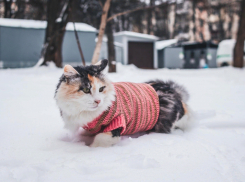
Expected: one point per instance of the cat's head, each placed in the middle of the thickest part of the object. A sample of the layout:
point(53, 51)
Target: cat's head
point(84, 89)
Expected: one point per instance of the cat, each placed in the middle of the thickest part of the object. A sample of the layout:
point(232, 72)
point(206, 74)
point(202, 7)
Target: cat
point(86, 98)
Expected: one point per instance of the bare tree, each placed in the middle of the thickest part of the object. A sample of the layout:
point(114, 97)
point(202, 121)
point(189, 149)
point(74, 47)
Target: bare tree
point(101, 31)
point(239, 47)
point(7, 8)
point(57, 20)
point(20, 14)
point(110, 47)
point(104, 21)
point(149, 18)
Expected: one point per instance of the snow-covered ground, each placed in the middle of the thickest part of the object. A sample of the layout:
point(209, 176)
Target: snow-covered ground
point(35, 147)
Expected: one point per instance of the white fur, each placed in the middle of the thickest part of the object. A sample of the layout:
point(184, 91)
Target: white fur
point(104, 140)
point(77, 112)
point(186, 122)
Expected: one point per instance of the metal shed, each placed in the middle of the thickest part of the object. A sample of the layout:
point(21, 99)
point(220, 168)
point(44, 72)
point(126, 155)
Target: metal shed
point(139, 49)
point(186, 54)
point(200, 55)
point(22, 40)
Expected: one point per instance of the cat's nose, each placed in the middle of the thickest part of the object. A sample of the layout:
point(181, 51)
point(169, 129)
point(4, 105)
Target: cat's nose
point(97, 101)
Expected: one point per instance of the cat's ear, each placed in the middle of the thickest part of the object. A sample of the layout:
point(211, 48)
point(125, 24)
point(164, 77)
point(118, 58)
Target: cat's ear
point(100, 66)
point(70, 71)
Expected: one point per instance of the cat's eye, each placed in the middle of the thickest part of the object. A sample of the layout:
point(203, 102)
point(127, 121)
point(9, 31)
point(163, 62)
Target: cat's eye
point(101, 89)
point(86, 90)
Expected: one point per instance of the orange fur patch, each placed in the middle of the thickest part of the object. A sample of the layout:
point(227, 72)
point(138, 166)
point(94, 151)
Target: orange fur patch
point(95, 81)
point(108, 133)
point(70, 91)
point(92, 79)
point(185, 107)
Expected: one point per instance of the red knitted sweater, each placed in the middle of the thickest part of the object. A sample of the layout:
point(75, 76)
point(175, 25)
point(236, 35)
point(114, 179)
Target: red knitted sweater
point(136, 108)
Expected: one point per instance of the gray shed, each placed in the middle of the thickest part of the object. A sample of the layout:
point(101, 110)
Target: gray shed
point(138, 49)
point(169, 56)
point(22, 40)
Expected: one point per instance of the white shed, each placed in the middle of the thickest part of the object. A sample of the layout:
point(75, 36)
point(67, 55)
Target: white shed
point(104, 50)
point(139, 49)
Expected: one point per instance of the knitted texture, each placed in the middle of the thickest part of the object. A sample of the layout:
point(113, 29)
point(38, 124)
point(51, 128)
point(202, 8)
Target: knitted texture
point(136, 108)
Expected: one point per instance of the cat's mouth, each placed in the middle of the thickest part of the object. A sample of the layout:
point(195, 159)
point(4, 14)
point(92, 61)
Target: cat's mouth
point(94, 107)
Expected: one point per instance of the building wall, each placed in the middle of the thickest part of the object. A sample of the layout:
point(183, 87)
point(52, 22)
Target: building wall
point(21, 47)
point(70, 49)
point(124, 39)
point(118, 50)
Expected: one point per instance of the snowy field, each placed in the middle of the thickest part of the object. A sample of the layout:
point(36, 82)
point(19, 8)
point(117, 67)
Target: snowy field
point(35, 147)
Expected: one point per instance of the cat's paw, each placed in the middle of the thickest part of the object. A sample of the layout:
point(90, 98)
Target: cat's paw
point(105, 140)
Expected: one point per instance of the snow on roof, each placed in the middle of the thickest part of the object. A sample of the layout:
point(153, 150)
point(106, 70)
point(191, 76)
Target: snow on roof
point(135, 34)
point(42, 24)
point(164, 43)
point(105, 40)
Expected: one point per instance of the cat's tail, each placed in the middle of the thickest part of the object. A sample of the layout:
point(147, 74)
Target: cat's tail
point(188, 121)
point(174, 111)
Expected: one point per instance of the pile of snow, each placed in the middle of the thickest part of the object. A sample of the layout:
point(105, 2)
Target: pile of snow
point(43, 24)
point(35, 147)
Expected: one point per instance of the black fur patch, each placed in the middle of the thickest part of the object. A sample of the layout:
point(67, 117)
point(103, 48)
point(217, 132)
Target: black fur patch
point(116, 132)
point(93, 70)
point(171, 96)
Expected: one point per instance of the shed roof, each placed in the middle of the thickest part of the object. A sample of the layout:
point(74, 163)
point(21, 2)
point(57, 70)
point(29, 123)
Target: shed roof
point(135, 34)
point(164, 43)
point(197, 45)
point(42, 24)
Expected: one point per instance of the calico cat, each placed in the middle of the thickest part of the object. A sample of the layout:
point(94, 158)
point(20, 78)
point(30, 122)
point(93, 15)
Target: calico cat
point(86, 98)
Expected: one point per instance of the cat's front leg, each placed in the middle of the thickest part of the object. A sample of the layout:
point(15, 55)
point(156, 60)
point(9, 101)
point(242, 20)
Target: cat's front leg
point(107, 139)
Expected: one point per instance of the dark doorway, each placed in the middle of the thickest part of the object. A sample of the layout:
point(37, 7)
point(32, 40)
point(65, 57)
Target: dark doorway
point(141, 54)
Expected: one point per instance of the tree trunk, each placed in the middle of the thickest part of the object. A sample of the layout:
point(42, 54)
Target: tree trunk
point(55, 31)
point(239, 47)
point(20, 14)
point(7, 8)
point(103, 22)
point(110, 47)
point(221, 29)
point(149, 18)
point(194, 18)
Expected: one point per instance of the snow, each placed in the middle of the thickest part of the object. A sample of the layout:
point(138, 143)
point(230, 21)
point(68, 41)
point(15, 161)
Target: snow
point(42, 24)
point(135, 34)
point(164, 43)
point(35, 147)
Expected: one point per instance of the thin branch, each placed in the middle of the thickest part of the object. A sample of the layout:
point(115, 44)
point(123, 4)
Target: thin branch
point(101, 4)
point(137, 9)
point(64, 9)
point(78, 44)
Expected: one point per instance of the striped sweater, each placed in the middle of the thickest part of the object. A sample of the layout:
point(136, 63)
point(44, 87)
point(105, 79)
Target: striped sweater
point(136, 108)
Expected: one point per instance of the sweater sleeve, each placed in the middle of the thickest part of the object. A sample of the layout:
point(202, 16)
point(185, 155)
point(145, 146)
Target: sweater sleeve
point(118, 122)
